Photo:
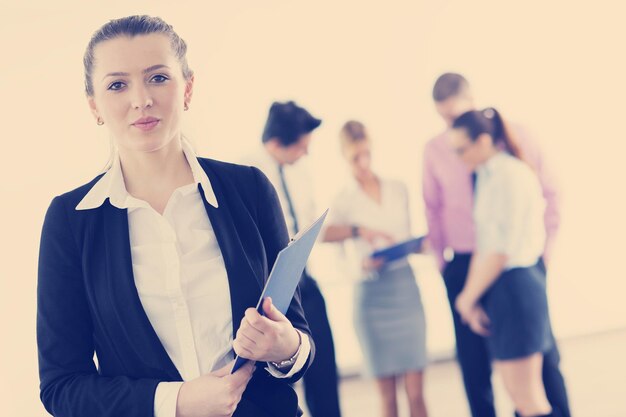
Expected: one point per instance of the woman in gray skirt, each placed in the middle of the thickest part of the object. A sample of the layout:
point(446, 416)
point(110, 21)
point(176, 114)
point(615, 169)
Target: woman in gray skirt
point(370, 213)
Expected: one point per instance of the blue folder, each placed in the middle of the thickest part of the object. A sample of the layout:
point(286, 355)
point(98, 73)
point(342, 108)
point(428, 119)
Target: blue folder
point(285, 275)
point(399, 250)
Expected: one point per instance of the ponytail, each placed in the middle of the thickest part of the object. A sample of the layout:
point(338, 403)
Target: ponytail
point(489, 121)
point(502, 132)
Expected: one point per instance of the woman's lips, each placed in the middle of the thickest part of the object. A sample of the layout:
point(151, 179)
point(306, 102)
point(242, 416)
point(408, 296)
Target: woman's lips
point(146, 125)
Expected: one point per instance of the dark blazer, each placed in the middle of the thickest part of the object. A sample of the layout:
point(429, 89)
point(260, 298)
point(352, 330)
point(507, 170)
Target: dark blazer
point(88, 302)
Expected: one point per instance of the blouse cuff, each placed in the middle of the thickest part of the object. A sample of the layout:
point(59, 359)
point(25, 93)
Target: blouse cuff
point(165, 399)
point(303, 356)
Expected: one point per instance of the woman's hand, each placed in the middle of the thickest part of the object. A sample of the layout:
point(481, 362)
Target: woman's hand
point(372, 264)
point(425, 247)
point(214, 395)
point(472, 314)
point(478, 321)
point(371, 236)
point(268, 339)
point(464, 305)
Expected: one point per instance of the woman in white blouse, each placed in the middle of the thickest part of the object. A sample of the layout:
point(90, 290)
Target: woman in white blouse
point(371, 213)
point(155, 266)
point(504, 298)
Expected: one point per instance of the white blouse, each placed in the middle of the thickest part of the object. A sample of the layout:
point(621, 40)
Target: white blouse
point(180, 277)
point(353, 206)
point(509, 211)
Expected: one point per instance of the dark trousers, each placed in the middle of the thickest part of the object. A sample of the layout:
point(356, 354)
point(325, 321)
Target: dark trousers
point(474, 358)
point(320, 380)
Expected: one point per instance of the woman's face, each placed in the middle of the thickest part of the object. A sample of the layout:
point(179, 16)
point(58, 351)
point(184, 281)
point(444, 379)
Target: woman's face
point(473, 154)
point(139, 91)
point(359, 157)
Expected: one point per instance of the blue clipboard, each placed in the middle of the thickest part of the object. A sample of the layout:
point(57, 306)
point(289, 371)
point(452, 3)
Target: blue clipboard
point(399, 250)
point(285, 275)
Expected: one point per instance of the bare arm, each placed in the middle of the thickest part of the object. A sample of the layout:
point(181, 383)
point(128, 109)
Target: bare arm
point(483, 273)
point(337, 233)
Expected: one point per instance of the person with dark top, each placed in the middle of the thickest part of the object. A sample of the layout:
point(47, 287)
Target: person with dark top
point(285, 141)
point(449, 200)
point(144, 267)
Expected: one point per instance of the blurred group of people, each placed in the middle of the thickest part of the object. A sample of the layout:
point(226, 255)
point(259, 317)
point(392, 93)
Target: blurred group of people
point(492, 213)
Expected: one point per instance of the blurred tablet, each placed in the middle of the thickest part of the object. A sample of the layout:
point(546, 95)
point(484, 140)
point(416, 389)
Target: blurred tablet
point(399, 250)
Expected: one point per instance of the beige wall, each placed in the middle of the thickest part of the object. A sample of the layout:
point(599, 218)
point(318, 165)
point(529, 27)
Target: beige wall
point(554, 66)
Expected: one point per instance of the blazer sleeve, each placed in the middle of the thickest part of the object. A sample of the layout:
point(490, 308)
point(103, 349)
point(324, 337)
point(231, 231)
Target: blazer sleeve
point(70, 385)
point(271, 224)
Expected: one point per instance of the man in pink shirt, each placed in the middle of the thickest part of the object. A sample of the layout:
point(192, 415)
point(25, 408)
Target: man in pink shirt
point(449, 200)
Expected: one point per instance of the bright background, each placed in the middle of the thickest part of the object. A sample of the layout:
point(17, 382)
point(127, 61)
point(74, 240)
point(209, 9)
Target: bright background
point(556, 67)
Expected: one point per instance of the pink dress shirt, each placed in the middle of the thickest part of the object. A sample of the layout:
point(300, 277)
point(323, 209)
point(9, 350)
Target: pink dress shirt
point(449, 199)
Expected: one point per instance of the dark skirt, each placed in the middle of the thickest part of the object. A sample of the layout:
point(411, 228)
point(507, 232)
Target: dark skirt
point(517, 307)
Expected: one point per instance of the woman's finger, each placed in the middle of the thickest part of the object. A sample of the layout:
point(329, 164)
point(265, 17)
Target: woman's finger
point(484, 318)
point(242, 375)
point(242, 350)
point(257, 321)
point(246, 339)
point(250, 332)
point(477, 326)
point(224, 370)
point(271, 312)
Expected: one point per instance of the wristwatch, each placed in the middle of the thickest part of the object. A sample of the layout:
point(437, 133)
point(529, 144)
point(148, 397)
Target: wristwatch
point(354, 230)
point(288, 363)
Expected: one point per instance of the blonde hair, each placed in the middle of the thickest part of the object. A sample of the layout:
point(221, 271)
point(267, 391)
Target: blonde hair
point(353, 132)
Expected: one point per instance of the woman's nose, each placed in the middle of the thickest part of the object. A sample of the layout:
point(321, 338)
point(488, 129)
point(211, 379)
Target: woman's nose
point(141, 98)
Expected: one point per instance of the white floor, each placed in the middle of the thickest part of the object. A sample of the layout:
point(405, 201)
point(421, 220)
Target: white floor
point(594, 368)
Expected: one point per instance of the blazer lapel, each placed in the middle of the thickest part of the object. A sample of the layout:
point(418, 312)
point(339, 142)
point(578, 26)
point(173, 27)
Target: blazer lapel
point(136, 326)
point(264, 396)
point(242, 281)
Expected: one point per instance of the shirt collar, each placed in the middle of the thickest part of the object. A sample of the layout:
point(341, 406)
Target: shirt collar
point(493, 163)
point(111, 185)
point(267, 159)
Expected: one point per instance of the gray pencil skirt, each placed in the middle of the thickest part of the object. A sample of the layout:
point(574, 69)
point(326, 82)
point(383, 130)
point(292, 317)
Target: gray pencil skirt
point(389, 323)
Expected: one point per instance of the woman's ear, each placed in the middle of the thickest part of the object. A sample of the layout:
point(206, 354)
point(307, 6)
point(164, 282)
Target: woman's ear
point(485, 140)
point(92, 106)
point(189, 90)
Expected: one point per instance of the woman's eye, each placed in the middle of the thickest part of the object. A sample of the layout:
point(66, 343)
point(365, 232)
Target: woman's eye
point(159, 78)
point(117, 85)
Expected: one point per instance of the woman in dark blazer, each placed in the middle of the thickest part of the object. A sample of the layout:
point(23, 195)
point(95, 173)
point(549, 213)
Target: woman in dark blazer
point(153, 266)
